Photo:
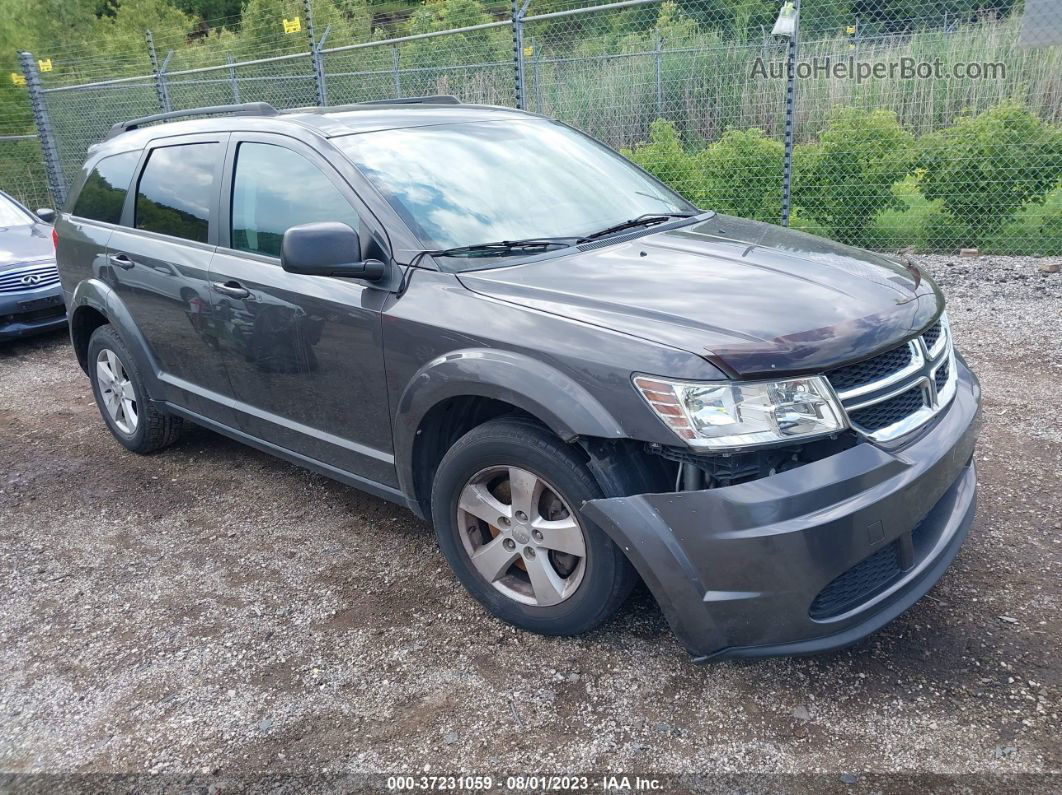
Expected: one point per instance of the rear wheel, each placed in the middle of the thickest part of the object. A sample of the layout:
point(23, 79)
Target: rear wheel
point(505, 507)
point(122, 399)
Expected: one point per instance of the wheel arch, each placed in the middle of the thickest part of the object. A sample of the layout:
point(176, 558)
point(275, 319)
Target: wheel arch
point(453, 394)
point(95, 304)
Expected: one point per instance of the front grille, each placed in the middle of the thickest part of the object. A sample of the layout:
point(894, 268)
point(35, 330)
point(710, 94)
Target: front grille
point(870, 370)
point(858, 584)
point(881, 415)
point(932, 334)
point(941, 378)
point(34, 316)
point(29, 277)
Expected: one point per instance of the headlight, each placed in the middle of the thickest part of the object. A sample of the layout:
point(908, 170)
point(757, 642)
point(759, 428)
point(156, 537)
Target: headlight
point(734, 414)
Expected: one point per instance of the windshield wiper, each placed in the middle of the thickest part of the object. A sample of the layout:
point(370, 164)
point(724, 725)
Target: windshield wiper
point(502, 247)
point(648, 219)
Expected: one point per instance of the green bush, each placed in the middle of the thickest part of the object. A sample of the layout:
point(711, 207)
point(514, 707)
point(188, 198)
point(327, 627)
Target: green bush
point(845, 179)
point(742, 175)
point(986, 168)
point(664, 157)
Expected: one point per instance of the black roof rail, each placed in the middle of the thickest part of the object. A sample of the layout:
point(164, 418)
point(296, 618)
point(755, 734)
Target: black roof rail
point(439, 99)
point(245, 109)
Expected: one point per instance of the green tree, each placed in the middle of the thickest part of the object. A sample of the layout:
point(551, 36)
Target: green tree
point(985, 168)
point(846, 178)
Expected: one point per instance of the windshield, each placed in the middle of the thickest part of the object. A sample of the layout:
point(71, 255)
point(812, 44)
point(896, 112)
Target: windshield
point(479, 182)
point(12, 215)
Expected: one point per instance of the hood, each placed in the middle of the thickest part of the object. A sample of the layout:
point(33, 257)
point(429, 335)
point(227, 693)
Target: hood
point(753, 298)
point(29, 243)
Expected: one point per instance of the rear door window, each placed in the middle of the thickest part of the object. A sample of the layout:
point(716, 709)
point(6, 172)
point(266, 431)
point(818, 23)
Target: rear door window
point(176, 190)
point(274, 189)
point(103, 194)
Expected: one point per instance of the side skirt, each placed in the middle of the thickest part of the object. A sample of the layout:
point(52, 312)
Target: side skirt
point(362, 484)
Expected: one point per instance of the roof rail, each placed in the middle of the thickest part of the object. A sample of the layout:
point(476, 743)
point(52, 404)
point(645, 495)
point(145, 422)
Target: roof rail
point(245, 109)
point(439, 99)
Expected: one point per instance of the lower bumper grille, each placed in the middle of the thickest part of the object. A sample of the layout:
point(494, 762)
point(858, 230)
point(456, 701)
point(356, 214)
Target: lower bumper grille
point(858, 584)
point(873, 574)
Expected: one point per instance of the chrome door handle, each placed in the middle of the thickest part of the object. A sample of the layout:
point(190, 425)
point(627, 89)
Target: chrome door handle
point(231, 289)
point(121, 260)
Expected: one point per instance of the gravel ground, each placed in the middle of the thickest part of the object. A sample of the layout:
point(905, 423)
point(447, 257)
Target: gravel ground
point(211, 608)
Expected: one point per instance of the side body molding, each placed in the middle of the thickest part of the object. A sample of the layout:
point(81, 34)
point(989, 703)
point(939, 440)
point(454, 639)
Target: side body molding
point(555, 398)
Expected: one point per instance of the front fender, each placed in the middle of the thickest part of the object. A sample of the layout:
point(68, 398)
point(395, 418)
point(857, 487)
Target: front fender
point(95, 294)
point(546, 393)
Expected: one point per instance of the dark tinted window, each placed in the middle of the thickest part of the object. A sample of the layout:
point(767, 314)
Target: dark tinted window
point(275, 189)
point(104, 193)
point(176, 190)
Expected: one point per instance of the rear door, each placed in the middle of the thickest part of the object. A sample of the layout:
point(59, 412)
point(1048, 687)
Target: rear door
point(303, 353)
point(158, 263)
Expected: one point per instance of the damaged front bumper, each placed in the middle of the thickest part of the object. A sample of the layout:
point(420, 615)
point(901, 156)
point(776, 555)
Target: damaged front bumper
point(811, 559)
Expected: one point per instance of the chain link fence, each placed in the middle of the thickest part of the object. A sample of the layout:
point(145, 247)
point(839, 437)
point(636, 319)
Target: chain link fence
point(926, 125)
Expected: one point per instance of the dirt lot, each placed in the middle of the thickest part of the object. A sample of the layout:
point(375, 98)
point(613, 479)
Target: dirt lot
point(211, 608)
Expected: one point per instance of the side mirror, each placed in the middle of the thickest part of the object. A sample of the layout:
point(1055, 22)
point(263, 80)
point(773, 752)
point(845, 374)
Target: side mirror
point(47, 215)
point(327, 248)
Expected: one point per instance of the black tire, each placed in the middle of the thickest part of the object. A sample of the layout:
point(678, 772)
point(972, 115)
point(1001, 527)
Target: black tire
point(153, 429)
point(607, 577)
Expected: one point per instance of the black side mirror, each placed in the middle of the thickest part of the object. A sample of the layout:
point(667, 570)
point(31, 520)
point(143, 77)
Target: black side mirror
point(327, 248)
point(47, 215)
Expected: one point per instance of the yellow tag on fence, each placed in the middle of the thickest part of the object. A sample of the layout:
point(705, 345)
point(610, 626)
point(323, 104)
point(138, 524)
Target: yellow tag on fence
point(18, 79)
point(529, 51)
point(292, 25)
point(851, 30)
point(45, 65)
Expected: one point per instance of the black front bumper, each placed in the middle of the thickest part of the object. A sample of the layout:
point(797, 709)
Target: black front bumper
point(811, 559)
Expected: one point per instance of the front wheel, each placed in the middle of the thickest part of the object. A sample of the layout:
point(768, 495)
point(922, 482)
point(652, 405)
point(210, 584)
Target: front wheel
point(505, 507)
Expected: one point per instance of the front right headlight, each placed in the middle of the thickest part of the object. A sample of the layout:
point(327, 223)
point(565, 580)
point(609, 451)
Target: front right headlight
point(733, 414)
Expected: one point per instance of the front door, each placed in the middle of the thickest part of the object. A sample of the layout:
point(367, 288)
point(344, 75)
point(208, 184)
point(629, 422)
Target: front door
point(158, 264)
point(303, 353)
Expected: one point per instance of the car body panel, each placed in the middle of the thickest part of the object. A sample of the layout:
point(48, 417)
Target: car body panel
point(716, 287)
point(737, 568)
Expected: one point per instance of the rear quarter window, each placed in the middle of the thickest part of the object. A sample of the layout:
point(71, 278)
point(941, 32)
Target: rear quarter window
point(176, 190)
point(103, 193)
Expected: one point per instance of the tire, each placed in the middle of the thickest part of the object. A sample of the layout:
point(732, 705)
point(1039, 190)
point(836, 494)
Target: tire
point(495, 460)
point(132, 418)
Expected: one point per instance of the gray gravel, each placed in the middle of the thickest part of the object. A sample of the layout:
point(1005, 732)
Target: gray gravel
point(211, 608)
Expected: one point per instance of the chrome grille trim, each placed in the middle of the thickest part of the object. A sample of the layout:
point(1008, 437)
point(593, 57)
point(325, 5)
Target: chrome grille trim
point(920, 373)
point(45, 274)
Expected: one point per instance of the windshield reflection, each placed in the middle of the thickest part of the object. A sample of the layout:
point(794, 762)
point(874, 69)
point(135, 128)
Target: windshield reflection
point(465, 184)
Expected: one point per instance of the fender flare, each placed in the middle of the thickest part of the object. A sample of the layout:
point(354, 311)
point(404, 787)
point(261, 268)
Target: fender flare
point(541, 390)
point(95, 294)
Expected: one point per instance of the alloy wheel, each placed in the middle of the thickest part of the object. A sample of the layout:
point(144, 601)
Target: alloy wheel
point(521, 536)
point(116, 390)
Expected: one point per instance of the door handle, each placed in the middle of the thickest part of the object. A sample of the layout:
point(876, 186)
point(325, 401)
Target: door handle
point(121, 260)
point(231, 289)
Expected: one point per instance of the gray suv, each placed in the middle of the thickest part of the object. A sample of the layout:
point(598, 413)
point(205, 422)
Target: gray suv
point(578, 377)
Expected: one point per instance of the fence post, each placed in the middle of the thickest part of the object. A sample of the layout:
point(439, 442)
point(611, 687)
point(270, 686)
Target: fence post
point(790, 112)
point(315, 55)
point(658, 56)
point(518, 49)
point(162, 91)
point(535, 75)
point(395, 72)
point(49, 151)
point(233, 80)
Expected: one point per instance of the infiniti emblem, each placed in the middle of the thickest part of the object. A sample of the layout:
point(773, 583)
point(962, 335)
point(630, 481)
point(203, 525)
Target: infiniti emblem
point(33, 278)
